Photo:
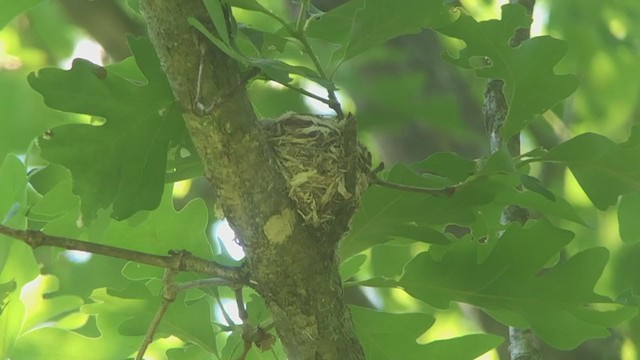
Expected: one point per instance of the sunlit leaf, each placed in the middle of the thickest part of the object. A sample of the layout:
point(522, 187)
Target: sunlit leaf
point(131, 312)
point(605, 170)
point(531, 86)
point(387, 336)
point(512, 285)
point(10, 9)
point(122, 162)
point(359, 25)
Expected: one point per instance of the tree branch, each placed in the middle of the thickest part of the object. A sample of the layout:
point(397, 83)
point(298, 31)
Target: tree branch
point(169, 292)
point(176, 260)
point(446, 191)
point(293, 267)
point(523, 344)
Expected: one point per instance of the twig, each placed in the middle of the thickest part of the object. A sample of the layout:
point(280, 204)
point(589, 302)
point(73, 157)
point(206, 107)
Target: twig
point(242, 311)
point(200, 283)
point(446, 191)
point(225, 315)
point(169, 292)
point(178, 261)
point(374, 179)
point(298, 34)
point(304, 92)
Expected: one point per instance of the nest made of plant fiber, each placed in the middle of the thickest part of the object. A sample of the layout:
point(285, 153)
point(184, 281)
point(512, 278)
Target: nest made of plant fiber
point(310, 152)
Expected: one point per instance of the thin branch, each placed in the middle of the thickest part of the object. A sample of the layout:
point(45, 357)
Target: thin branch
point(176, 260)
point(225, 315)
point(446, 191)
point(168, 296)
point(374, 179)
point(242, 311)
point(304, 92)
point(299, 35)
point(201, 283)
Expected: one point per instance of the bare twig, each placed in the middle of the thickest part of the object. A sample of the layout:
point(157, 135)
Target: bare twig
point(201, 283)
point(169, 292)
point(242, 311)
point(178, 261)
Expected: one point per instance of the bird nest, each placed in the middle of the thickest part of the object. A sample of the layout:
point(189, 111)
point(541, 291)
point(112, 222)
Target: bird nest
point(326, 168)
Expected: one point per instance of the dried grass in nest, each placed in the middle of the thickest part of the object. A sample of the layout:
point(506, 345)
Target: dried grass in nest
point(311, 154)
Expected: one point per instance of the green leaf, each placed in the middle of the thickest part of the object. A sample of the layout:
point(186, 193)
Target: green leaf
point(55, 343)
point(605, 170)
point(375, 24)
point(13, 183)
point(19, 103)
point(122, 162)
point(360, 25)
point(214, 8)
point(251, 5)
point(531, 86)
point(512, 285)
point(163, 229)
point(11, 8)
point(351, 266)
point(189, 353)
point(130, 312)
point(274, 69)
point(44, 308)
point(5, 290)
point(628, 223)
point(217, 42)
point(533, 184)
point(17, 263)
point(387, 336)
point(385, 214)
point(463, 347)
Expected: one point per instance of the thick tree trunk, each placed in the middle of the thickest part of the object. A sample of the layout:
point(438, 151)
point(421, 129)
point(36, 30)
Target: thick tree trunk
point(293, 267)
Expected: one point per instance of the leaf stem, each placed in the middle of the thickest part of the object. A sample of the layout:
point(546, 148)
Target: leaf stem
point(304, 6)
point(304, 92)
point(299, 35)
point(446, 191)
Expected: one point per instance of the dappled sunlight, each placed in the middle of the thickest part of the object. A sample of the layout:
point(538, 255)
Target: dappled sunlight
point(225, 235)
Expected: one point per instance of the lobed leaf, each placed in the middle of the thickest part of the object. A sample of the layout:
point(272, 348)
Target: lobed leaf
point(120, 164)
point(360, 25)
point(605, 170)
point(513, 286)
point(387, 336)
point(480, 195)
point(530, 84)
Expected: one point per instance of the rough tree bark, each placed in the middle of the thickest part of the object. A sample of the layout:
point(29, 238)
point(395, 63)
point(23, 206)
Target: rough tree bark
point(293, 267)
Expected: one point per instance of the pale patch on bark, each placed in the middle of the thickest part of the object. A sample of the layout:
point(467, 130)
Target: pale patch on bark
point(279, 227)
